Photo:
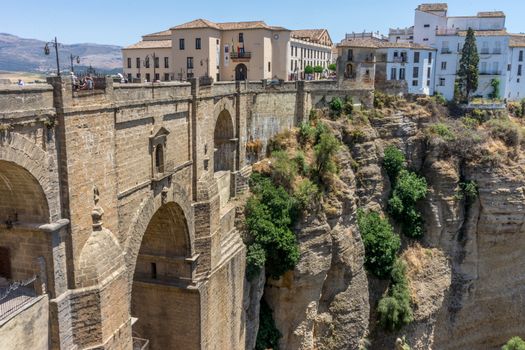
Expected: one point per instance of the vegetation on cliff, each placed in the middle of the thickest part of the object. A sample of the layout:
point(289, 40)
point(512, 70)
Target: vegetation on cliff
point(515, 343)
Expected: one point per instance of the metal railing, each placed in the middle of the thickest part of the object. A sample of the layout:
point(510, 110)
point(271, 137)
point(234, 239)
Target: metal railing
point(140, 344)
point(446, 51)
point(242, 54)
point(16, 295)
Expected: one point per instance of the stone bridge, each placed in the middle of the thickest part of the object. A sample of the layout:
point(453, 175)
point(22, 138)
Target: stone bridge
point(121, 201)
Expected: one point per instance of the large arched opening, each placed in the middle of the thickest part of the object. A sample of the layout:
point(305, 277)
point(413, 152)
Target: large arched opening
point(241, 72)
point(164, 306)
point(25, 250)
point(224, 154)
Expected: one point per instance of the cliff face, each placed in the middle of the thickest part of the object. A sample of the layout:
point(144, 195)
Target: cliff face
point(467, 278)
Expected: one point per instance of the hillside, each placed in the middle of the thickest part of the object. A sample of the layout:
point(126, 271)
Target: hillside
point(27, 55)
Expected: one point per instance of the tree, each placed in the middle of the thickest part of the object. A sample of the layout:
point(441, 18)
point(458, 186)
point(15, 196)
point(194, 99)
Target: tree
point(308, 70)
point(332, 67)
point(318, 69)
point(468, 73)
point(516, 343)
point(495, 88)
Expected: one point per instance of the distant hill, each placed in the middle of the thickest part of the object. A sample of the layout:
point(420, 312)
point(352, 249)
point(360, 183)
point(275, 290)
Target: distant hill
point(27, 55)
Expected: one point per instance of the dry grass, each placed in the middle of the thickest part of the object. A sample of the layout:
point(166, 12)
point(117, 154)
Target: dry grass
point(25, 76)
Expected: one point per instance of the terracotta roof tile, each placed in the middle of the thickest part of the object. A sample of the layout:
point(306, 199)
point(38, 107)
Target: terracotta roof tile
point(380, 44)
point(491, 14)
point(203, 23)
point(433, 7)
point(517, 40)
point(151, 44)
point(198, 23)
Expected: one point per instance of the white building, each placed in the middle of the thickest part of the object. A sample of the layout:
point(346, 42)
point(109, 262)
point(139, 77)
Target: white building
point(309, 47)
point(499, 50)
point(396, 35)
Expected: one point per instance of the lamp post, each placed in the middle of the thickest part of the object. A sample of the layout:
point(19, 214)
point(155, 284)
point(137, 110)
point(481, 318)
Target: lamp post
point(47, 51)
point(74, 58)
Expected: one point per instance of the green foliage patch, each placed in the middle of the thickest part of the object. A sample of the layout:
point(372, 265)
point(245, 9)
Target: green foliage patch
point(268, 335)
point(515, 343)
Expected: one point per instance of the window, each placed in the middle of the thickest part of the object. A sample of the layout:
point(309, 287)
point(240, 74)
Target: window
point(189, 63)
point(130, 77)
point(166, 77)
point(159, 159)
point(138, 62)
point(495, 67)
point(129, 62)
point(350, 57)
point(430, 57)
point(428, 73)
point(181, 44)
point(425, 39)
point(401, 73)
point(396, 54)
point(519, 70)
point(441, 81)
point(415, 83)
point(198, 43)
point(416, 57)
point(509, 67)
point(147, 77)
point(444, 65)
point(138, 75)
point(146, 62)
point(241, 37)
point(393, 74)
point(426, 25)
point(520, 58)
point(156, 62)
point(154, 271)
point(269, 66)
point(157, 76)
point(483, 68)
point(415, 73)
point(166, 62)
point(428, 82)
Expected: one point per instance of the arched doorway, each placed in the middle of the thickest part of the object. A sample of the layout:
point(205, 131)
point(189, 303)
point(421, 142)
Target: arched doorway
point(241, 72)
point(223, 143)
point(25, 251)
point(164, 305)
point(349, 72)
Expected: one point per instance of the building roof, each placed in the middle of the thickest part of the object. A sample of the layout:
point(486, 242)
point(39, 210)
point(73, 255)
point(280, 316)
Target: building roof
point(203, 23)
point(313, 35)
point(151, 44)
point(163, 33)
point(491, 14)
point(517, 40)
point(373, 43)
point(500, 32)
point(433, 7)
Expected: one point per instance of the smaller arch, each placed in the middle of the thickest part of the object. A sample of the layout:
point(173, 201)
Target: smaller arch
point(349, 71)
point(224, 147)
point(241, 72)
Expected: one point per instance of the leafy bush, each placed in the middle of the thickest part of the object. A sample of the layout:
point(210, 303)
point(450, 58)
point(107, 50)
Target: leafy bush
point(515, 108)
point(505, 130)
point(440, 99)
point(324, 155)
point(515, 343)
point(409, 188)
point(357, 136)
point(393, 161)
point(394, 309)
point(471, 123)
point(468, 190)
point(279, 142)
point(284, 170)
point(255, 260)
point(495, 89)
point(306, 193)
point(348, 106)
point(332, 67)
point(382, 100)
point(270, 214)
point(308, 70)
point(320, 129)
point(443, 131)
point(306, 134)
point(336, 106)
point(268, 335)
point(302, 166)
point(380, 241)
point(318, 69)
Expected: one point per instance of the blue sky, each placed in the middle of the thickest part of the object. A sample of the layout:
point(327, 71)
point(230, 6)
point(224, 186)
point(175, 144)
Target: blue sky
point(123, 22)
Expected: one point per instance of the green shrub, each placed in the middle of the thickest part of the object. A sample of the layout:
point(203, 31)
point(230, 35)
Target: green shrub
point(515, 343)
point(279, 142)
point(306, 194)
point(308, 70)
point(324, 155)
point(495, 93)
point(270, 214)
point(523, 107)
point(469, 122)
point(348, 106)
point(393, 161)
point(440, 99)
point(318, 69)
point(255, 260)
point(332, 67)
point(380, 241)
point(336, 106)
point(468, 190)
point(268, 335)
point(357, 136)
point(409, 188)
point(302, 166)
point(320, 129)
point(382, 100)
point(306, 134)
point(443, 131)
point(284, 170)
point(394, 309)
point(505, 130)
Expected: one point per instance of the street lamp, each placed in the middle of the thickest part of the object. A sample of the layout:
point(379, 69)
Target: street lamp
point(74, 58)
point(47, 51)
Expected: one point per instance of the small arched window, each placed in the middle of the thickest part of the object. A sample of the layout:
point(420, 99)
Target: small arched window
point(159, 159)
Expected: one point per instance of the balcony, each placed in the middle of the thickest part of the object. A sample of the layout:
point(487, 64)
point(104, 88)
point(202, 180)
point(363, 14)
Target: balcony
point(490, 73)
point(446, 51)
point(241, 56)
point(485, 52)
point(400, 60)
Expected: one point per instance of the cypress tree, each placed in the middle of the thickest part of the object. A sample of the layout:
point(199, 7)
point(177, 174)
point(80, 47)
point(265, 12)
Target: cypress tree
point(468, 73)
